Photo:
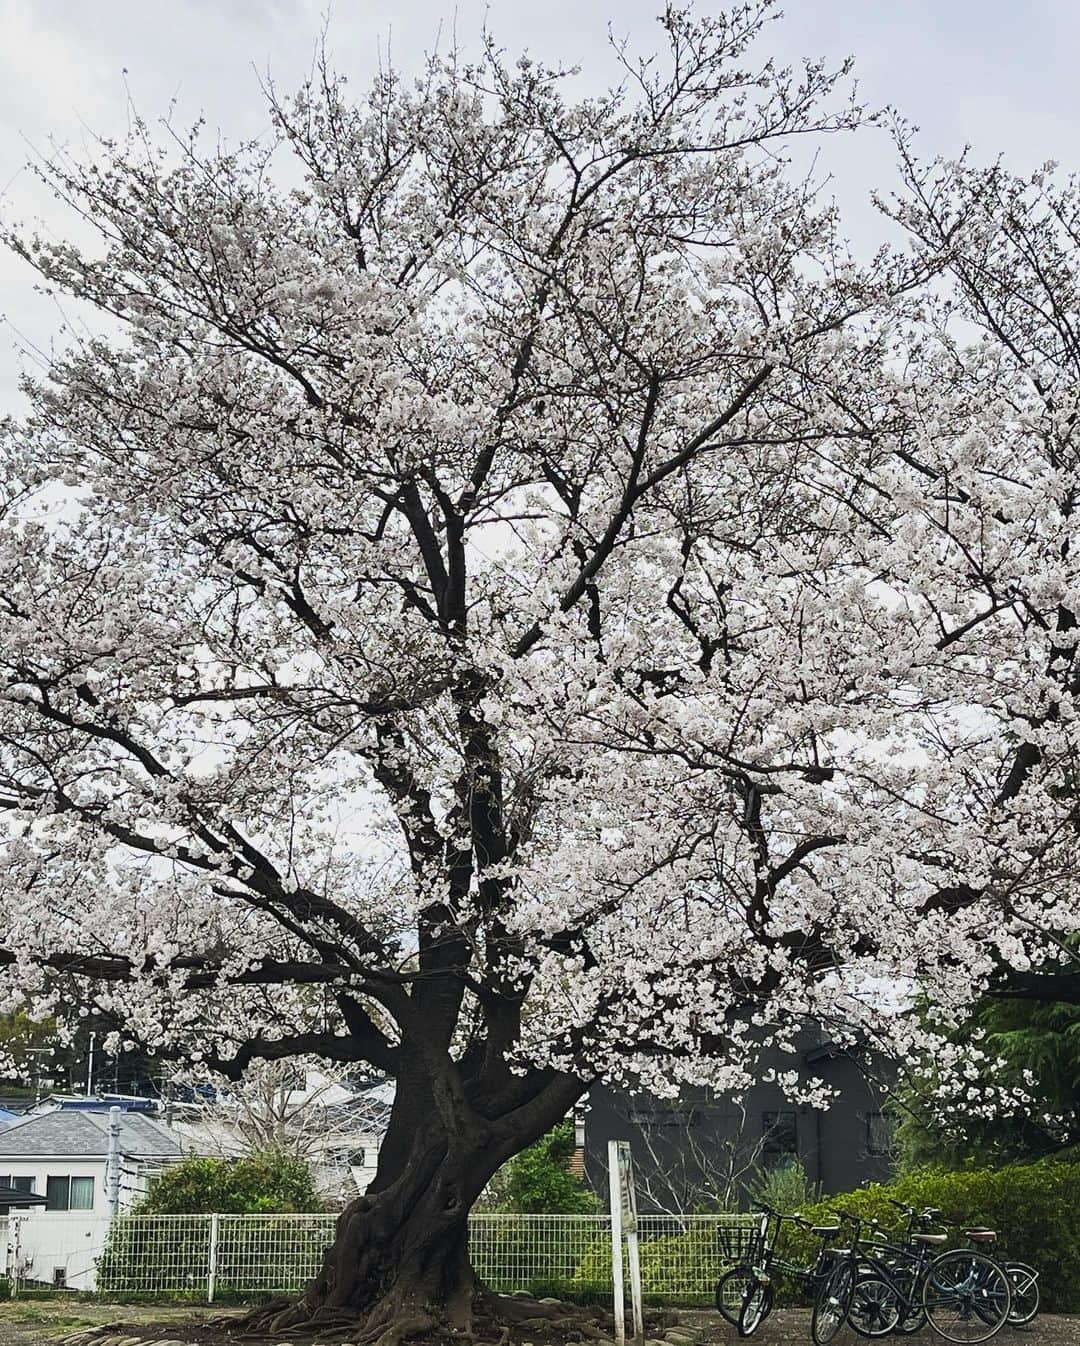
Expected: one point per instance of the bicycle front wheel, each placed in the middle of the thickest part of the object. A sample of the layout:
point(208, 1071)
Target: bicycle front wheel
point(1024, 1281)
point(730, 1289)
point(832, 1302)
point(966, 1296)
point(756, 1307)
point(875, 1307)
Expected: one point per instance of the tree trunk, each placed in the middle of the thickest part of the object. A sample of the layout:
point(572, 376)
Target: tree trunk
point(403, 1250)
point(400, 1257)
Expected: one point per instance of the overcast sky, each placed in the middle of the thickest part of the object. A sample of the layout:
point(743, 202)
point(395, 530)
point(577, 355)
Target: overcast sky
point(1001, 74)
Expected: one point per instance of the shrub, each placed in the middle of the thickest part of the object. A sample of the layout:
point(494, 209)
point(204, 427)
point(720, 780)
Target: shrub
point(169, 1256)
point(261, 1184)
point(785, 1188)
point(538, 1181)
point(1032, 1206)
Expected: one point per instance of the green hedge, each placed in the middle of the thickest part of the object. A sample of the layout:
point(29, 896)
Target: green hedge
point(1032, 1206)
point(675, 1268)
point(271, 1183)
point(532, 1255)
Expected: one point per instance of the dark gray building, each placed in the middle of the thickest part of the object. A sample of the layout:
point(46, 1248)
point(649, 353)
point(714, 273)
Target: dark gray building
point(703, 1150)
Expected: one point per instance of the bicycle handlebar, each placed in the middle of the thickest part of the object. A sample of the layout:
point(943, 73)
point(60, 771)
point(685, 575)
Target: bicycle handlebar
point(796, 1218)
point(928, 1214)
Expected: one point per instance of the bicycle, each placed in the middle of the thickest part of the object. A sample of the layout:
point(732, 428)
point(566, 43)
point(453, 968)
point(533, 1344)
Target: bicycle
point(964, 1294)
point(832, 1303)
point(869, 1311)
point(752, 1278)
point(733, 1284)
point(1024, 1280)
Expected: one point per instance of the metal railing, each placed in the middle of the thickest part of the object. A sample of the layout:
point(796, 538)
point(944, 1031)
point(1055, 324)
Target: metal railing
point(215, 1256)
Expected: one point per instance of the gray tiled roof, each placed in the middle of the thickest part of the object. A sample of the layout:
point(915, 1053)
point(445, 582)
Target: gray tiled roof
point(79, 1133)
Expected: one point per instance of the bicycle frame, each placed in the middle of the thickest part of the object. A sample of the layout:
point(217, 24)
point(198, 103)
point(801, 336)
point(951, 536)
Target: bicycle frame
point(908, 1286)
point(915, 1259)
point(764, 1262)
point(908, 1281)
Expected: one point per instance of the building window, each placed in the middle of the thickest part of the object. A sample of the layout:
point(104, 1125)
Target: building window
point(19, 1184)
point(780, 1139)
point(64, 1193)
point(880, 1127)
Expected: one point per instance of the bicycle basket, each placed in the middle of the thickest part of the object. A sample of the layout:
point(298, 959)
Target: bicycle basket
point(735, 1240)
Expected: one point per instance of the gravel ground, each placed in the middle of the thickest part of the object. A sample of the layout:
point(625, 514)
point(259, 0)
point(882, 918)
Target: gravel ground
point(786, 1327)
point(36, 1324)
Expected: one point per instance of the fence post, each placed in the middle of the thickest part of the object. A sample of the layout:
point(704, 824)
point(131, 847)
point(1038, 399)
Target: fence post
point(14, 1252)
point(615, 1193)
point(211, 1268)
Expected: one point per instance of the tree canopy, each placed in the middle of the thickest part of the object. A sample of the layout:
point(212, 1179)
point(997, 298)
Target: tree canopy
point(1035, 1044)
point(508, 598)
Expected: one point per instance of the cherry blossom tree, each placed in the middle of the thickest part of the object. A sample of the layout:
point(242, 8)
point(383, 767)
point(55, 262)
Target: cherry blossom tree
point(288, 1108)
point(503, 598)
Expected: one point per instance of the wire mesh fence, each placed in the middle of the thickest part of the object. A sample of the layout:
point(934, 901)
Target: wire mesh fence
point(682, 1257)
point(256, 1255)
point(153, 1254)
point(212, 1255)
point(215, 1256)
point(546, 1254)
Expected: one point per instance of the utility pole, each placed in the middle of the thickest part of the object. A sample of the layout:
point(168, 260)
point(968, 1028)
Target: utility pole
point(112, 1167)
point(90, 1067)
point(37, 1052)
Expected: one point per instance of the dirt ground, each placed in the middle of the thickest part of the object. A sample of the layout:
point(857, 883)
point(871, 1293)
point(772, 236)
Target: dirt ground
point(27, 1323)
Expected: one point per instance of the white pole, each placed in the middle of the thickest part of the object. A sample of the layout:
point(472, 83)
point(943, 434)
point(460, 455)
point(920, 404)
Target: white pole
point(637, 1306)
point(616, 1242)
point(112, 1167)
point(211, 1267)
point(90, 1068)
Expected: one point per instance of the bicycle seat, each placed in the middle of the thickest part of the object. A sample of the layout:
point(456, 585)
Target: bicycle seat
point(932, 1239)
point(825, 1230)
point(981, 1235)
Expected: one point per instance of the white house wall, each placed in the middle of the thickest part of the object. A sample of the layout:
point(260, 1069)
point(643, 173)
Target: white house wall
point(68, 1239)
point(47, 1241)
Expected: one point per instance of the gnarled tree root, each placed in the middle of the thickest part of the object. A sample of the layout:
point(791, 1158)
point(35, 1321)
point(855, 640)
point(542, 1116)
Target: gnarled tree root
point(493, 1321)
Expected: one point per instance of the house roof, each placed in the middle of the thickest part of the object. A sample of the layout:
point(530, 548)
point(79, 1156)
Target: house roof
point(358, 1117)
point(13, 1198)
point(86, 1135)
point(98, 1102)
